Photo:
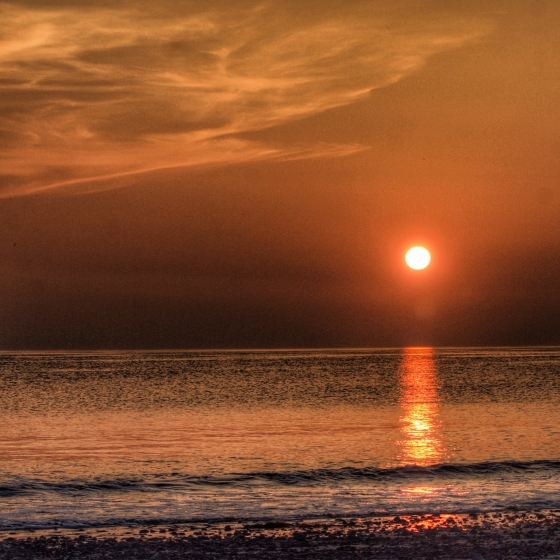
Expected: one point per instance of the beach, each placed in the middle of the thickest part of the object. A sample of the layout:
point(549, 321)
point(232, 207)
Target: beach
point(473, 536)
point(279, 279)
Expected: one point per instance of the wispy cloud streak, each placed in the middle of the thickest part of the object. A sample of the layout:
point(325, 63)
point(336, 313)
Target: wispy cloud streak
point(94, 92)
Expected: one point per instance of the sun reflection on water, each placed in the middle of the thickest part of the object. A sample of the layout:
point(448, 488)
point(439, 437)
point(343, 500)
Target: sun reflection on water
point(421, 443)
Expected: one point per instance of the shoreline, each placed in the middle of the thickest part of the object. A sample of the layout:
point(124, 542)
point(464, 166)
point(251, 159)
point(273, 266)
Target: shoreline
point(482, 536)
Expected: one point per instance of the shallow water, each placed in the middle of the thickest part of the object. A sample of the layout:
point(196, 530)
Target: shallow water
point(123, 438)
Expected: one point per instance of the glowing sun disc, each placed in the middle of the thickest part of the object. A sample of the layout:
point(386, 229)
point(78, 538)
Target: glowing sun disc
point(418, 258)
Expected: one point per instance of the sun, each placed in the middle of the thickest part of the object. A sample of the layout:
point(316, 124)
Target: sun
point(418, 258)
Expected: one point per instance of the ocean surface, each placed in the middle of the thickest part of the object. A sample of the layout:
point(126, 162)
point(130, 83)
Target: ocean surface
point(111, 439)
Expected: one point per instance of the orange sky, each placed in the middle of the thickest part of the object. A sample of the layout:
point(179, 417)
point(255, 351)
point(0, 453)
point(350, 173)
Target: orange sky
point(200, 175)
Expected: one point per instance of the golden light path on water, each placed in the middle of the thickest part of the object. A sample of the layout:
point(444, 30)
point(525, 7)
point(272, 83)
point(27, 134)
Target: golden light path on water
point(419, 423)
point(421, 442)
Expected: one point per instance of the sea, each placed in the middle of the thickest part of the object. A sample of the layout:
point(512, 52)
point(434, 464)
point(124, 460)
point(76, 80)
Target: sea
point(129, 439)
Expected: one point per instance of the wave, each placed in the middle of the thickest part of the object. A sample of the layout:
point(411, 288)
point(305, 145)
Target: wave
point(408, 472)
point(316, 477)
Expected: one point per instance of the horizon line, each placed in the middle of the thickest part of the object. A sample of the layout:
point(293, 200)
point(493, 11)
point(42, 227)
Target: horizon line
point(272, 349)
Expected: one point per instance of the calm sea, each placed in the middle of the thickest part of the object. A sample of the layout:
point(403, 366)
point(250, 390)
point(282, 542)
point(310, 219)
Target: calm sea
point(121, 439)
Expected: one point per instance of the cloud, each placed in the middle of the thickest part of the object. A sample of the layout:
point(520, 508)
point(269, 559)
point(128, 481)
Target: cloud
point(94, 92)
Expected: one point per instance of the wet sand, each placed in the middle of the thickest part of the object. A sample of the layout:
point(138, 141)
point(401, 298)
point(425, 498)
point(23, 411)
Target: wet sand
point(488, 536)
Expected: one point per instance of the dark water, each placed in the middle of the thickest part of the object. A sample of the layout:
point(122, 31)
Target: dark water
point(125, 438)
